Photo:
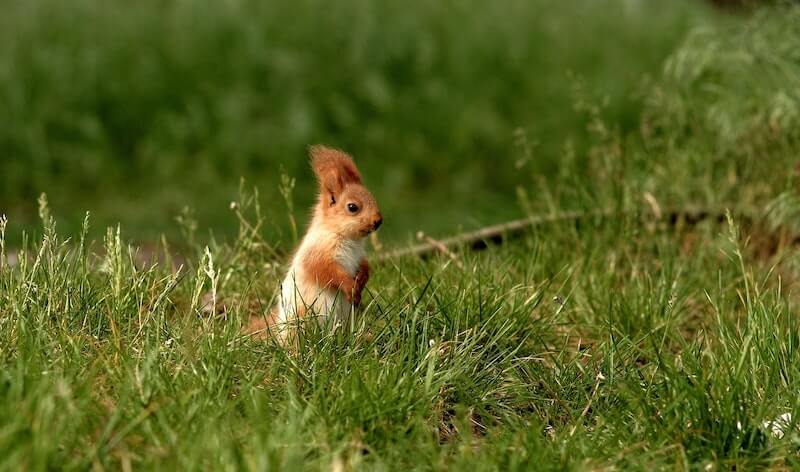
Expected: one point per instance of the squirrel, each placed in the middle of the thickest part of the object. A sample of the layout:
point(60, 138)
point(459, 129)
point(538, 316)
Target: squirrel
point(329, 269)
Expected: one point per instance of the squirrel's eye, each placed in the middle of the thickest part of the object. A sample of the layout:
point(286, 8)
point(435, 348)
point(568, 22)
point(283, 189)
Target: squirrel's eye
point(352, 207)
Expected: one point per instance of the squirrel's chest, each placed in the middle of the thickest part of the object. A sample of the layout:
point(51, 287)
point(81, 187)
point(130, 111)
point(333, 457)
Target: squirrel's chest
point(349, 255)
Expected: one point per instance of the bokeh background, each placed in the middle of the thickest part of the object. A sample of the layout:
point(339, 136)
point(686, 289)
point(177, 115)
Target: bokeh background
point(460, 113)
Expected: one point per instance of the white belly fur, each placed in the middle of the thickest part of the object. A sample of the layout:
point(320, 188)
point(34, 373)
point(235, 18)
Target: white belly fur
point(300, 292)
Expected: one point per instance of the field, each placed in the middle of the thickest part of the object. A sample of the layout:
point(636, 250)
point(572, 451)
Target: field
point(657, 329)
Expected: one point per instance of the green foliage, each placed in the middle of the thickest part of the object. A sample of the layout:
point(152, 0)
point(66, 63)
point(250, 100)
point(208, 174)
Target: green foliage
point(729, 102)
point(136, 110)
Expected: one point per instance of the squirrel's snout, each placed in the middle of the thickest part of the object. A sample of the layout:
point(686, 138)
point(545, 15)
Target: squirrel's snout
point(377, 223)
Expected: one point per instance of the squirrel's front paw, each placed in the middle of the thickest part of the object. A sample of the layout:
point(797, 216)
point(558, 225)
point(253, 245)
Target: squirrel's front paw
point(357, 291)
point(353, 296)
point(362, 276)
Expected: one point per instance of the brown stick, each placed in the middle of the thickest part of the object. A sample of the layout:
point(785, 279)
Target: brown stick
point(440, 247)
point(480, 238)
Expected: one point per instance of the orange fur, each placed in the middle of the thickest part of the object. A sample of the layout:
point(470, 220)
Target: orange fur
point(362, 277)
point(334, 169)
point(328, 274)
point(261, 326)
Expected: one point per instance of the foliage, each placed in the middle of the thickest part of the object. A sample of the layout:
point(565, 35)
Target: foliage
point(135, 110)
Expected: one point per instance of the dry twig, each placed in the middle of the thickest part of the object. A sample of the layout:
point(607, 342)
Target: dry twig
point(479, 239)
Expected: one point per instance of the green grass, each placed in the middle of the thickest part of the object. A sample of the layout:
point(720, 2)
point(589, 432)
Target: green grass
point(606, 344)
point(627, 342)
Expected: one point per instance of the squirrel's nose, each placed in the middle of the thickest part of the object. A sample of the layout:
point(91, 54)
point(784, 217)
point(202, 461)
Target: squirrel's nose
point(377, 223)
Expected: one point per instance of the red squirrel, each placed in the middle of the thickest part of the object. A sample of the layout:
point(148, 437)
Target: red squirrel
point(329, 269)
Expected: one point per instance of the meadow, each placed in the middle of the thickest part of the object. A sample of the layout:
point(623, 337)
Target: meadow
point(660, 334)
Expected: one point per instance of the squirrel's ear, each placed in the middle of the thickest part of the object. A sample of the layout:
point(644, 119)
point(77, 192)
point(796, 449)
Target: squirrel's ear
point(334, 169)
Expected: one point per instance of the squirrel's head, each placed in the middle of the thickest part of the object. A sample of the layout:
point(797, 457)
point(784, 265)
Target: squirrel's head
point(345, 206)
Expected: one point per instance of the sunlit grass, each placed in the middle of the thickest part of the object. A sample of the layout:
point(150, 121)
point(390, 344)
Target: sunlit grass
point(567, 348)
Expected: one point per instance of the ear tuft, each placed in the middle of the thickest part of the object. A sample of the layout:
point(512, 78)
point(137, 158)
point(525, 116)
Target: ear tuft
point(334, 168)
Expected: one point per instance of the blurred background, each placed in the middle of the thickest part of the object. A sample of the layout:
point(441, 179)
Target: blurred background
point(459, 113)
